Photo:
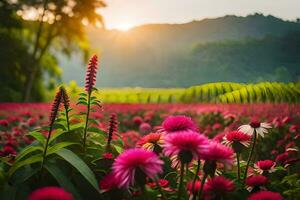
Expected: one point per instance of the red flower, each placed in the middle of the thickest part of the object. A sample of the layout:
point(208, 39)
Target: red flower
point(265, 166)
point(137, 120)
point(196, 188)
point(50, 193)
point(256, 181)
point(265, 195)
point(90, 77)
point(178, 123)
point(236, 139)
point(4, 123)
point(218, 186)
point(152, 141)
point(108, 156)
point(108, 182)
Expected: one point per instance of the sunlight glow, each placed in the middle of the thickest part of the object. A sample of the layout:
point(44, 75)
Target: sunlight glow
point(124, 27)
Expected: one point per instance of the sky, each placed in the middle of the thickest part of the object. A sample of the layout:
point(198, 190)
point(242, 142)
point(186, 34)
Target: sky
point(124, 14)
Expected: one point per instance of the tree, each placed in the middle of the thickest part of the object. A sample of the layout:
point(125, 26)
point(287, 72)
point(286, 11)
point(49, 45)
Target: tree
point(58, 25)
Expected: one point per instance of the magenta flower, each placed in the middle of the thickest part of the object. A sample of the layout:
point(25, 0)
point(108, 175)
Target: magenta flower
point(50, 193)
point(264, 166)
point(218, 187)
point(195, 189)
point(184, 146)
point(256, 181)
point(90, 77)
point(134, 165)
point(265, 195)
point(217, 152)
point(237, 139)
point(108, 182)
point(178, 123)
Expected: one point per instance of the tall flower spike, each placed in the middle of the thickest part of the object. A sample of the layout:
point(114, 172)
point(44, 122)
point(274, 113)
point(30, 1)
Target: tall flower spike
point(90, 78)
point(112, 128)
point(66, 103)
point(65, 97)
point(55, 107)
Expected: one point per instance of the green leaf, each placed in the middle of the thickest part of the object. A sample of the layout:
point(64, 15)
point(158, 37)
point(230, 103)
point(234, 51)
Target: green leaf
point(62, 179)
point(59, 126)
point(82, 94)
point(27, 150)
point(82, 103)
point(77, 163)
point(24, 175)
point(38, 136)
point(96, 130)
point(30, 160)
point(55, 135)
point(118, 149)
point(59, 146)
point(82, 99)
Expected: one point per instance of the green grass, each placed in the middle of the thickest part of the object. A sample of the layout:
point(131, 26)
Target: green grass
point(221, 92)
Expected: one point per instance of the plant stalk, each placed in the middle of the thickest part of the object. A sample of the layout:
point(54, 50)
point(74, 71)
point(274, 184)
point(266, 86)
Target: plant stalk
point(46, 147)
point(202, 185)
point(180, 181)
point(238, 165)
point(86, 122)
point(195, 178)
point(250, 156)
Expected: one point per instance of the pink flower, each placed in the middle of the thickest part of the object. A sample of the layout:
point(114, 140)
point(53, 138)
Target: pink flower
point(217, 187)
point(90, 77)
point(178, 123)
point(145, 128)
point(184, 146)
point(237, 138)
point(265, 166)
point(265, 195)
point(256, 181)
point(196, 188)
point(136, 164)
point(50, 193)
point(108, 182)
point(217, 152)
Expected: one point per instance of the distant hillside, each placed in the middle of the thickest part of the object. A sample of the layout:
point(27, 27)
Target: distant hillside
point(180, 55)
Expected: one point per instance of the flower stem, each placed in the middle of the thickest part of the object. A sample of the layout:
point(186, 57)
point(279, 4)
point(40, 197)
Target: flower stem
point(160, 190)
point(180, 181)
point(238, 165)
point(250, 155)
point(86, 122)
point(202, 185)
point(46, 147)
point(67, 119)
point(195, 178)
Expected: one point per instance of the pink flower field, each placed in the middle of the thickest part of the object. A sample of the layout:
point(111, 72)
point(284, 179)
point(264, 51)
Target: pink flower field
point(82, 149)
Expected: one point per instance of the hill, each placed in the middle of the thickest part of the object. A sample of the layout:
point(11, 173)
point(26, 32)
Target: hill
point(172, 55)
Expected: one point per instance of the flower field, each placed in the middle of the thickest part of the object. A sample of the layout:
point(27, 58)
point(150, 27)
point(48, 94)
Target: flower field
point(83, 149)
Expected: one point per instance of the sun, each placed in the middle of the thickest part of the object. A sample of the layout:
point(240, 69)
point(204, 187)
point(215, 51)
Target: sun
point(124, 27)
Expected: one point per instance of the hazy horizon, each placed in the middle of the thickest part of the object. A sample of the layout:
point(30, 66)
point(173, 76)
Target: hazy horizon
point(120, 14)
